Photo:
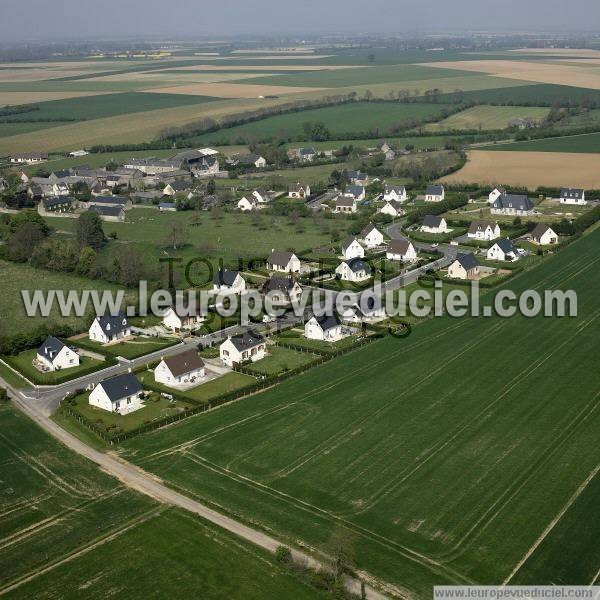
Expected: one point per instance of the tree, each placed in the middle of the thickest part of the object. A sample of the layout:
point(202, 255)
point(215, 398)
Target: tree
point(87, 258)
point(341, 553)
point(29, 216)
point(211, 187)
point(89, 231)
point(24, 241)
point(177, 236)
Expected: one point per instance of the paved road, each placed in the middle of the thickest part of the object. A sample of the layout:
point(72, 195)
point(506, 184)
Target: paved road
point(145, 483)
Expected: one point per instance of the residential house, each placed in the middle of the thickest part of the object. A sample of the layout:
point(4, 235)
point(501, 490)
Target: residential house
point(495, 194)
point(544, 235)
point(466, 266)
point(283, 262)
point(237, 349)
point(306, 154)
point(401, 250)
point(371, 236)
point(351, 248)
point(396, 193)
point(177, 318)
point(512, 204)
point(387, 151)
point(503, 250)
point(247, 203)
point(29, 158)
point(248, 160)
point(181, 369)
point(167, 207)
point(356, 178)
point(325, 328)
point(354, 270)
point(393, 208)
point(108, 328)
point(484, 230)
point(59, 204)
point(261, 196)
point(572, 196)
point(434, 224)
point(345, 204)
point(120, 394)
point(356, 191)
point(283, 290)
point(226, 280)
point(299, 191)
point(367, 314)
point(109, 213)
point(176, 187)
point(53, 355)
point(435, 193)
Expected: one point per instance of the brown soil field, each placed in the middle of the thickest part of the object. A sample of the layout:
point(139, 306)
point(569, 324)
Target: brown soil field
point(232, 90)
point(583, 52)
point(530, 169)
point(12, 98)
point(267, 67)
point(577, 76)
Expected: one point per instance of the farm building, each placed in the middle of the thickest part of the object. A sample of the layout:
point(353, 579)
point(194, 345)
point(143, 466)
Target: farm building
point(237, 349)
point(167, 207)
point(59, 204)
point(29, 158)
point(184, 368)
point(53, 355)
point(108, 213)
point(120, 394)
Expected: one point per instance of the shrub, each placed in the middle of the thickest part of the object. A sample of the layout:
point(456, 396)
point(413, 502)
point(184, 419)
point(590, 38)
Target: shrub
point(283, 554)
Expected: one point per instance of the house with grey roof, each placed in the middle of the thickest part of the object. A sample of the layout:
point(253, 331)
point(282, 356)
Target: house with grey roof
point(356, 191)
point(108, 213)
point(434, 224)
point(307, 154)
point(352, 248)
point(59, 204)
point(283, 290)
point(371, 236)
point(483, 230)
point(392, 208)
point(435, 193)
point(503, 250)
point(325, 328)
point(109, 328)
point(512, 204)
point(53, 355)
point(283, 262)
point(395, 193)
point(299, 191)
point(345, 204)
point(465, 266)
point(230, 281)
point(121, 394)
point(544, 235)
point(250, 346)
point(354, 270)
point(573, 196)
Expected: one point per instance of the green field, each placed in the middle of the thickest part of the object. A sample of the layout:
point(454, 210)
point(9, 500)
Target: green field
point(586, 143)
point(9, 129)
point(68, 529)
point(377, 117)
point(137, 346)
point(447, 457)
point(281, 360)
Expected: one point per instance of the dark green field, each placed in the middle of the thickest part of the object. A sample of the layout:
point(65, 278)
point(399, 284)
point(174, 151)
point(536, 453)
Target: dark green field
point(586, 143)
point(456, 455)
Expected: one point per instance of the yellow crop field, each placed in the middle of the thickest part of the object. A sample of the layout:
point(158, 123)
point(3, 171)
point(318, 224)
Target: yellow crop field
point(12, 98)
point(232, 90)
point(487, 117)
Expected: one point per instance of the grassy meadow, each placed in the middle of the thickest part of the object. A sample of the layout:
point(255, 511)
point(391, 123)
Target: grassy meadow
point(585, 143)
point(487, 117)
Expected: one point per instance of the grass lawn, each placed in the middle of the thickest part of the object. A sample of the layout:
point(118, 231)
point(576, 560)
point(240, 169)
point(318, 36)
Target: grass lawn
point(134, 348)
point(297, 338)
point(586, 143)
point(280, 360)
point(12, 378)
point(23, 363)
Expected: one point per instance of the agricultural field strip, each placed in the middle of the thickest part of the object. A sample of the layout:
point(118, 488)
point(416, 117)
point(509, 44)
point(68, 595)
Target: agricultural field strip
point(373, 535)
point(99, 541)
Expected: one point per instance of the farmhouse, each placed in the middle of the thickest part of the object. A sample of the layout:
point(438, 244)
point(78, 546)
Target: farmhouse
point(247, 203)
point(306, 154)
point(354, 269)
point(326, 328)
point(503, 250)
point(284, 290)
point(401, 250)
point(345, 204)
point(434, 193)
point(120, 394)
point(393, 208)
point(178, 319)
point(183, 368)
point(572, 196)
point(355, 191)
point(371, 236)
point(109, 213)
point(466, 266)
point(248, 160)
point(351, 248)
point(176, 187)
point(544, 235)
point(283, 262)
point(237, 349)
point(226, 280)
point(495, 194)
point(53, 355)
point(511, 204)
point(299, 191)
point(484, 230)
point(107, 328)
point(394, 192)
point(29, 158)
point(434, 224)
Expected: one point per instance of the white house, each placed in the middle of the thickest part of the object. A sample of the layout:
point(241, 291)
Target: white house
point(495, 194)
point(401, 250)
point(306, 154)
point(351, 248)
point(355, 270)
point(466, 266)
point(29, 158)
point(326, 328)
point(299, 191)
point(345, 204)
point(484, 230)
point(231, 281)
point(356, 177)
point(249, 346)
point(572, 196)
point(356, 191)
point(503, 250)
point(393, 208)
point(371, 236)
point(120, 394)
point(283, 262)
point(512, 204)
point(176, 319)
point(184, 368)
point(53, 355)
point(396, 193)
point(544, 235)
point(260, 196)
point(434, 224)
point(356, 314)
point(247, 203)
point(435, 193)
point(109, 328)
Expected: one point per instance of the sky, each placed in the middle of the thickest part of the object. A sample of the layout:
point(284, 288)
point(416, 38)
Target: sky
point(91, 19)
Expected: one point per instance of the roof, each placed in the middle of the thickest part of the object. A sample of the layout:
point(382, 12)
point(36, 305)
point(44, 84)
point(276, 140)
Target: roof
point(505, 245)
point(307, 151)
point(395, 204)
point(467, 261)
point(516, 201)
point(539, 230)
point(400, 189)
point(247, 340)
point(345, 201)
point(225, 277)
point(247, 159)
point(57, 201)
point(399, 246)
point(280, 258)
point(283, 284)
point(113, 324)
point(109, 200)
point(349, 242)
point(167, 205)
point(576, 193)
point(327, 322)
point(432, 220)
point(434, 190)
point(355, 190)
point(121, 386)
point(481, 226)
point(183, 363)
point(368, 229)
point(50, 348)
point(107, 211)
point(358, 264)
point(179, 185)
